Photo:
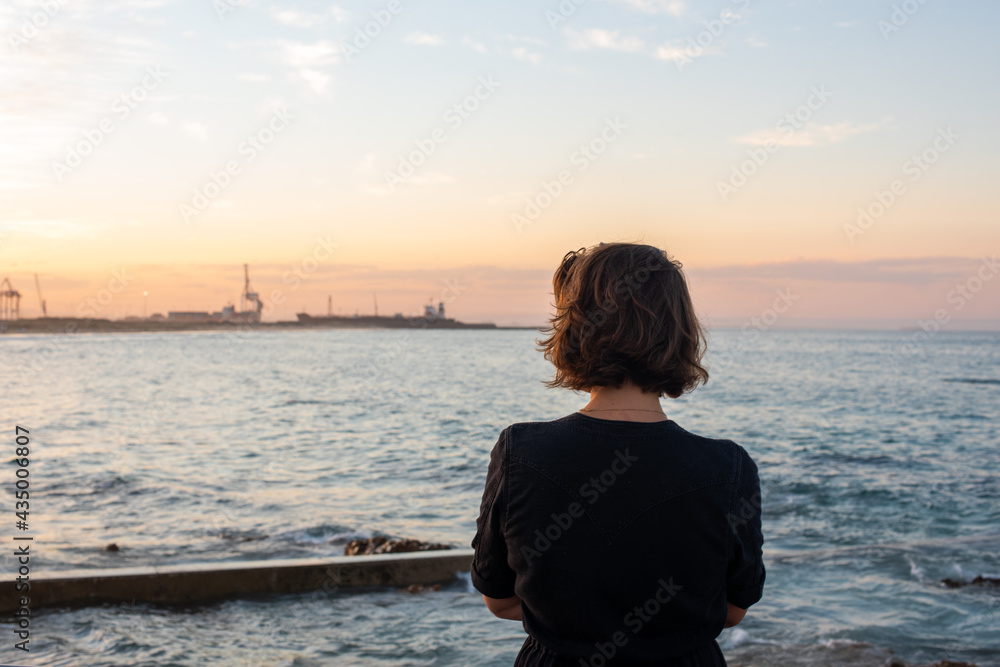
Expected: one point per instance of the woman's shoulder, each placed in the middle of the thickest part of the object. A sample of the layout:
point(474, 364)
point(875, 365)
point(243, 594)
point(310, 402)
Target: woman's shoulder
point(730, 449)
point(727, 444)
point(531, 436)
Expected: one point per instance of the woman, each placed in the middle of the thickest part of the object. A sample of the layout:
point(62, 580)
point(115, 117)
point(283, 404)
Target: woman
point(614, 535)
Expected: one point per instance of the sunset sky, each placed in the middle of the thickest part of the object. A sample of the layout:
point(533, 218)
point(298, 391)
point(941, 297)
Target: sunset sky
point(458, 149)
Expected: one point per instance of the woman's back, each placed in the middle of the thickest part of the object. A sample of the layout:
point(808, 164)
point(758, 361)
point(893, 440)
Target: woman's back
point(625, 539)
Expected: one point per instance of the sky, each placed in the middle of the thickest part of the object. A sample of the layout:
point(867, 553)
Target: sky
point(837, 155)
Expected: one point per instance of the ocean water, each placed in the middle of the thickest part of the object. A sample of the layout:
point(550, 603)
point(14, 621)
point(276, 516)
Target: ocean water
point(879, 455)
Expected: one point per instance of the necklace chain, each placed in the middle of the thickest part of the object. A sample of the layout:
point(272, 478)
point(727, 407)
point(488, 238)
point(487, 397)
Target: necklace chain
point(659, 412)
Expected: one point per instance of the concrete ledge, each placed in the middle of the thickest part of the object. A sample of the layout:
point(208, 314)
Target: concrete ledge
point(180, 584)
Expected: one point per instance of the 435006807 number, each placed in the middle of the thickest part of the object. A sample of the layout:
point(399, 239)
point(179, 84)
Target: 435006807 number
point(21, 483)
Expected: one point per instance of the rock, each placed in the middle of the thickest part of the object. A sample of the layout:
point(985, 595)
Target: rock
point(985, 581)
point(111, 547)
point(362, 547)
point(980, 580)
point(383, 545)
point(839, 652)
point(420, 588)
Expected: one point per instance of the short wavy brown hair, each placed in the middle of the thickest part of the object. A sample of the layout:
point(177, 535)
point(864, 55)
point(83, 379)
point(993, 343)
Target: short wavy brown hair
point(623, 313)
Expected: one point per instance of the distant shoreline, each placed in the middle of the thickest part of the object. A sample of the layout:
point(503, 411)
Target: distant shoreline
point(71, 325)
point(68, 325)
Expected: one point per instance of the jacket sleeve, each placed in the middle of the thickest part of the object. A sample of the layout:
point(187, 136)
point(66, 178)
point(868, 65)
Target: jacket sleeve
point(491, 575)
point(745, 576)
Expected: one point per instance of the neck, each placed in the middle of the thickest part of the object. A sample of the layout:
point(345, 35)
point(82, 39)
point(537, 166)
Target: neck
point(625, 403)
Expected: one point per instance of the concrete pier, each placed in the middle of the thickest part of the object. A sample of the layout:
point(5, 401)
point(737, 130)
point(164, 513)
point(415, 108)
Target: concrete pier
point(199, 582)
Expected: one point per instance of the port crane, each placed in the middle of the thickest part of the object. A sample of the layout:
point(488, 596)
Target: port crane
point(250, 303)
point(10, 301)
point(38, 286)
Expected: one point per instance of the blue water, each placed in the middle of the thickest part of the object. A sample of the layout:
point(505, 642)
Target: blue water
point(878, 456)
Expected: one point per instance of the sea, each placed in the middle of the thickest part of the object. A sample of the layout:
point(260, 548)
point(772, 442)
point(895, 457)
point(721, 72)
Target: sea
point(879, 457)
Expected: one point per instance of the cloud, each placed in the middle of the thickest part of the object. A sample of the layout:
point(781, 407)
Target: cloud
point(810, 134)
point(672, 52)
point(254, 78)
point(846, 24)
point(367, 164)
point(297, 19)
point(915, 271)
point(365, 276)
point(529, 40)
point(672, 7)
point(52, 230)
point(424, 39)
point(315, 79)
point(524, 54)
point(195, 129)
point(307, 59)
point(146, 21)
point(157, 118)
point(419, 179)
point(678, 51)
point(756, 43)
point(595, 38)
point(271, 104)
point(476, 46)
point(432, 178)
point(300, 54)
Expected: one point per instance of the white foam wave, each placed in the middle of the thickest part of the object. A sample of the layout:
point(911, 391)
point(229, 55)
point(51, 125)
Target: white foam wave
point(734, 637)
point(917, 572)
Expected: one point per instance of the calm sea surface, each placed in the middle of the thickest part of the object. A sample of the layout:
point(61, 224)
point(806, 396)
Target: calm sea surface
point(879, 457)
